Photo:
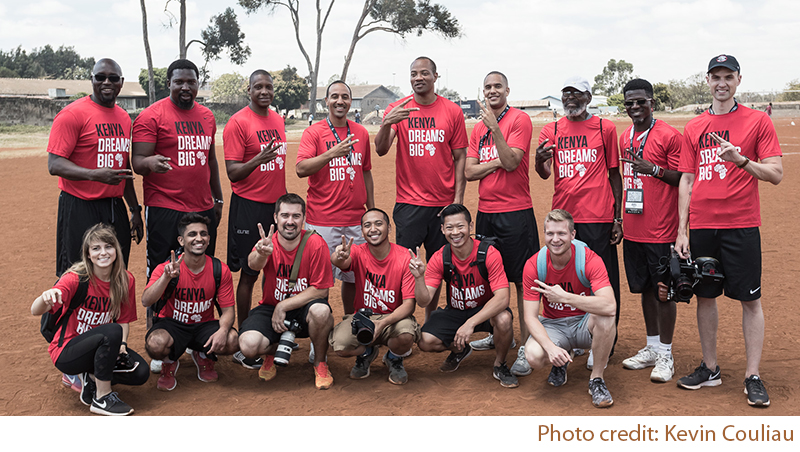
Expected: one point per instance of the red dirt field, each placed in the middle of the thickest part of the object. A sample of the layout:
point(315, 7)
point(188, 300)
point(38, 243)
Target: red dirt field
point(31, 384)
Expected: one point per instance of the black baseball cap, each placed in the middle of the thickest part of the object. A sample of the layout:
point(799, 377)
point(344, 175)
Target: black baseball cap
point(727, 61)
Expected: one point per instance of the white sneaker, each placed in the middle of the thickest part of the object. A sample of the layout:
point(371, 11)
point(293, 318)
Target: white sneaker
point(521, 366)
point(155, 366)
point(664, 368)
point(311, 355)
point(578, 351)
point(487, 343)
point(646, 357)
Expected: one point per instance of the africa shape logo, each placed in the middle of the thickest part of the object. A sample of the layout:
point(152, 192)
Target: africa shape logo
point(431, 149)
point(279, 161)
point(581, 169)
point(472, 304)
point(119, 159)
point(197, 318)
point(201, 157)
point(351, 172)
point(720, 168)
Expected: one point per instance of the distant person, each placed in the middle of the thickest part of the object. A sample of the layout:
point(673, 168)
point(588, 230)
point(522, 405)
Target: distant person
point(358, 117)
point(769, 109)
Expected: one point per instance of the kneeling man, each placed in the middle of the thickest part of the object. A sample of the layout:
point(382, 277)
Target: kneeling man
point(579, 305)
point(384, 285)
point(185, 292)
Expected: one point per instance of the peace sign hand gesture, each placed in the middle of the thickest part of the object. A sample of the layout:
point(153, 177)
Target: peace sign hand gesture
point(487, 115)
point(416, 265)
point(544, 153)
point(342, 148)
point(264, 246)
point(343, 251)
point(173, 269)
point(399, 113)
point(728, 152)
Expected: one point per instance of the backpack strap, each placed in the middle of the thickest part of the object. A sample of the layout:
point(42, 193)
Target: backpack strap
point(297, 258)
point(580, 264)
point(74, 303)
point(483, 250)
point(217, 267)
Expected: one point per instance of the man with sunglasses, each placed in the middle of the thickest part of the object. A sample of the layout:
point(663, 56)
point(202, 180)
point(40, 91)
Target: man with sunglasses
point(334, 155)
point(650, 151)
point(580, 151)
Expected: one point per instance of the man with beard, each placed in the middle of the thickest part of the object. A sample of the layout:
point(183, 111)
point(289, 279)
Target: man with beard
point(580, 150)
point(304, 302)
point(385, 286)
point(334, 154)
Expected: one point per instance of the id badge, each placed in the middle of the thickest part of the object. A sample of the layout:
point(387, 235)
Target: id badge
point(634, 200)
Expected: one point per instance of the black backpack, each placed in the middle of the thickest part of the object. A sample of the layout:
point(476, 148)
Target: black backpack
point(173, 283)
point(52, 322)
point(480, 260)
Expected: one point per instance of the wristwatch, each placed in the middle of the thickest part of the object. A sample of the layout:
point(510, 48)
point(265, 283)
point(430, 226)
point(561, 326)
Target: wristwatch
point(136, 208)
point(218, 201)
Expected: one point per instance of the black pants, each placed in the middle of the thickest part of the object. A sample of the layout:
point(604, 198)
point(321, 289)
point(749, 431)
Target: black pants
point(96, 351)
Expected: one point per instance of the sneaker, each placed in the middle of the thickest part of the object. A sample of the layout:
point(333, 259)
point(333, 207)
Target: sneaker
point(504, 376)
point(664, 368)
point(756, 392)
point(558, 376)
point(361, 368)
point(601, 398)
point(248, 363)
point(578, 351)
point(72, 381)
point(155, 366)
point(205, 368)
point(397, 373)
point(590, 360)
point(487, 343)
point(454, 359)
point(88, 389)
point(521, 366)
point(267, 371)
point(645, 357)
point(322, 376)
point(702, 376)
point(167, 381)
point(110, 405)
point(311, 354)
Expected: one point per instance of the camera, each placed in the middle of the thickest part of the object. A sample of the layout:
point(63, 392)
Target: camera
point(684, 274)
point(363, 328)
point(286, 342)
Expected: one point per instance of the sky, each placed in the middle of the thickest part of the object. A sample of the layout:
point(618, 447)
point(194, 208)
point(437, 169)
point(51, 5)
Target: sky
point(537, 44)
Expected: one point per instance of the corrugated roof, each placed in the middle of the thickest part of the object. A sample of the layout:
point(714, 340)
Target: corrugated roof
point(39, 87)
point(529, 103)
point(359, 91)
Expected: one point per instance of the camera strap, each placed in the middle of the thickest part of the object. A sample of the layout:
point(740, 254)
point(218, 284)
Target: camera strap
point(297, 258)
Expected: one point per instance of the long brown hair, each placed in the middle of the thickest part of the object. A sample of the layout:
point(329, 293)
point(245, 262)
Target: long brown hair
point(84, 268)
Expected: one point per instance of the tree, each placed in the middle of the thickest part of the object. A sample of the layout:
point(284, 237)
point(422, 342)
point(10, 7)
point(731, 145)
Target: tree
point(661, 96)
point(616, 100)
point(614, 76)
point(63, 63)
point(793, 85)
point(159, 81)
point(401, 17)
point(691, 90)
point(396, 90)
point(151, 85)
point(449, 94)
point(230, 89)
point(291, 90)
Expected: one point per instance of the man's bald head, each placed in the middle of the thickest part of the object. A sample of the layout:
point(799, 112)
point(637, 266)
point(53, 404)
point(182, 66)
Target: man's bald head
point(107, 64)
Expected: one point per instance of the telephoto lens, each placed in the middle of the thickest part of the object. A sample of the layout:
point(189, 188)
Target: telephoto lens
point(286, 343)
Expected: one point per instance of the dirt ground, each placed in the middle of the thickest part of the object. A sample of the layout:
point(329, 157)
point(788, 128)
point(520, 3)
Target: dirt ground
point(31, 385)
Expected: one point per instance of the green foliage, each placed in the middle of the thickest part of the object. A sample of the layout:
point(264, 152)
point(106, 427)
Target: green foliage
point(408, 16)
point(160, 80)
point(18, 129)
point(133, 114)
point(62, 63)
point(8, 73)
point(614, 76)
point(786, 97)
point(224, 35)
point(691, 90)
point(220, 116)
point(448, 94)
point(230, 89)
point(616, 100)
point(661, 96)
point(291, 90)
point(78, 95)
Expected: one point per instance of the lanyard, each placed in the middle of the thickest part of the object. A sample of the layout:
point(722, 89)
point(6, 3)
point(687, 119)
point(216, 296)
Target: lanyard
point(489, 132)
point(642, 140)
point(735, 107)
point(339, 140)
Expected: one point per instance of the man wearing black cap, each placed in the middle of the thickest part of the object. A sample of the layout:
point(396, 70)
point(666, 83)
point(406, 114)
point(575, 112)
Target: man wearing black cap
point(728, 149)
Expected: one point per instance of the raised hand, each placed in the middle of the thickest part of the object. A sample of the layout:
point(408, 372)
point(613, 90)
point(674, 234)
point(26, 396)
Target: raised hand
point(727, 151)
point(343, 148)
point(51, 297)
point(264, 246)
point(269, 153)
point(399, 113)
point(554, 293)
point(544, 153)
point(343, 251)
point(638, 164)
point(487, 115)
point(416, 265)
point(173, 269)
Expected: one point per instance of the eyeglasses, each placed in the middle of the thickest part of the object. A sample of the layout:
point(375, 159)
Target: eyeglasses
point(568, 93)
point(111, 78)
point(639, 102)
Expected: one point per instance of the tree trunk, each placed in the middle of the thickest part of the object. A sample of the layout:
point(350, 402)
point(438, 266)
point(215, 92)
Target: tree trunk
point(367, 5)
point(151, 92)
point(182, 37)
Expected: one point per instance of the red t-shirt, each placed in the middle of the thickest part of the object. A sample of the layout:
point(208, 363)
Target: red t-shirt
point(724, 196)
point(315, 269)
point(504, 191)
point(424, 161)
point(567, 279)
point(245, 135)
point(193, 299)
point(581, 160)
point(468, 289)
point(336, 194)
point(185, 136)
point(658, 222)
point(91, 136)
point(381, 285)
point(92, 312)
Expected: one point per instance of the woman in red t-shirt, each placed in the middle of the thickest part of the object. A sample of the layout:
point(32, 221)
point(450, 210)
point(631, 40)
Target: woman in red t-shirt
point(91, 342)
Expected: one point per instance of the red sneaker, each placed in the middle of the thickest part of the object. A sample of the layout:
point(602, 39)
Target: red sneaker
point(323, 378)
point(267, 371)
point(167, 381)
point(72, 382)
point(205, 368)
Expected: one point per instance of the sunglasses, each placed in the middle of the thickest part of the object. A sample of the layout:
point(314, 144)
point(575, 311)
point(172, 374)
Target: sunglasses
point(568, 93)
point(639, 102)
point(111, 78)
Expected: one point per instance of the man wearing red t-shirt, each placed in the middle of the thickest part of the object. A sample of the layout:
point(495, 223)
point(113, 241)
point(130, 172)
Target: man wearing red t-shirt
point(498, 156)
point(88, 151)
point(431, 154)
point(474, 303)
point(574, 315)
point(186, 319)
point(334, 155)
point(303, 302)
point(385, 286)
point(254, 141)
point(728, 149)
point(650, 151)
point(580, 150)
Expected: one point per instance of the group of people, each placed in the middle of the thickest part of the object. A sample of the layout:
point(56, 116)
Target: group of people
point(669, 185)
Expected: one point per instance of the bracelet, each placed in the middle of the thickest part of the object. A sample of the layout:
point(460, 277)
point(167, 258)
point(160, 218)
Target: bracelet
point(656, 169)
point(617, 220)
point(746, 161)
point(218, 201)
point(125, 344)
point(136, 209)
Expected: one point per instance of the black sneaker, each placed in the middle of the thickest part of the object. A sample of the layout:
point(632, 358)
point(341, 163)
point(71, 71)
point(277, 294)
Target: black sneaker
point(558, 375)
point(756, 392)
point(454, 359)
point(88, 390)
point(397, 373)
point(702, 376)
point(110, 405)
point(361, 368)
point(504, 376)
point(601, 398)
point(248, 363)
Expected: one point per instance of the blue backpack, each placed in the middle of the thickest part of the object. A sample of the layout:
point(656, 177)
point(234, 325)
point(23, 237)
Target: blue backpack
point(580, 264)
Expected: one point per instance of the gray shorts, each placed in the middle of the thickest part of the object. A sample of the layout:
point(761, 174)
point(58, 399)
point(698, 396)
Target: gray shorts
point(333, 237)
point(569, 332)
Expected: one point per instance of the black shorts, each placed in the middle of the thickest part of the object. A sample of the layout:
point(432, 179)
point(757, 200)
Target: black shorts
point(597, 237)
point(193, 336)
point(418, 225)
point(518, 238)
point(443, 323)
point(243, 219)
point(162, 234)
point(76, 215)
point(739, 254)
point(642, 262)
point(260, 319)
